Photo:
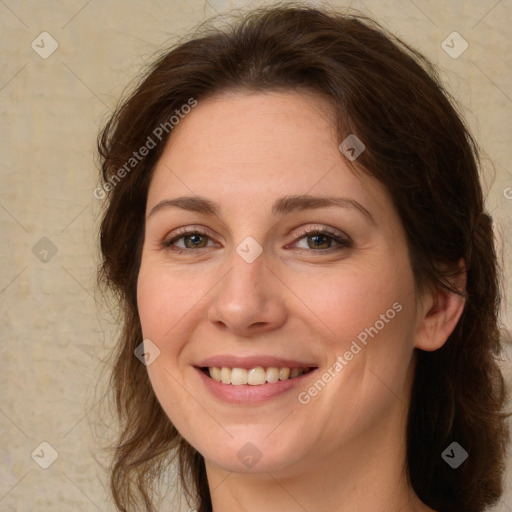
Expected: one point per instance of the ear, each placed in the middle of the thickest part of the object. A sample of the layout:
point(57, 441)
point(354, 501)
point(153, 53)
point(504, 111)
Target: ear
point(439, 312)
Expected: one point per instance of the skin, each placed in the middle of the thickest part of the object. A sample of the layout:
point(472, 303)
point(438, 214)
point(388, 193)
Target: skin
point(345, 449)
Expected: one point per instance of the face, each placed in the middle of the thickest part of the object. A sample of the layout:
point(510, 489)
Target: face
point(265, 253)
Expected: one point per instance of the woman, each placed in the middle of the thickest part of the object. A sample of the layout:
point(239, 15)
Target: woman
point(296, 231)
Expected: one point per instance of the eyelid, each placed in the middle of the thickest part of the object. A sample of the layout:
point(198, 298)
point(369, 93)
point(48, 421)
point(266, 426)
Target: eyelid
point(184, 231)
point(327, 230)
point(341, 239)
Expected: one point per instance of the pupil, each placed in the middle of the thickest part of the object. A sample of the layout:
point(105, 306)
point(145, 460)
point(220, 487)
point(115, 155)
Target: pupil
point(318, 240)
point(194, 240)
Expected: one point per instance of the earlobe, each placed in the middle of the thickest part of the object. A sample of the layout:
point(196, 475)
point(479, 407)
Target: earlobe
point(440, 312)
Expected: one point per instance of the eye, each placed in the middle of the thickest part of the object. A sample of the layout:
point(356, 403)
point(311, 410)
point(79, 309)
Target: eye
point(320, 240)
point(189, 239)
point(317, 240)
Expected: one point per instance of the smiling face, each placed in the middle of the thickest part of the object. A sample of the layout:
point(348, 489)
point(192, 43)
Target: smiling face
point(264, 250)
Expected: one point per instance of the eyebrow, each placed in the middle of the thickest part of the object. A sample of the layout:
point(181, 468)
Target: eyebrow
point(282, 206)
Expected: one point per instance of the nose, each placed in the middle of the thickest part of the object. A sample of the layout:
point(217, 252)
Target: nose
point(249, 299)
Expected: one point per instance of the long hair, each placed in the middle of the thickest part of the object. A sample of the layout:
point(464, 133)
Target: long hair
point(417, 145)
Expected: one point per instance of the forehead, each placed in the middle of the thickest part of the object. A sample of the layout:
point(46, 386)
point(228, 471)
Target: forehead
point(244, 128)
point(244, 146)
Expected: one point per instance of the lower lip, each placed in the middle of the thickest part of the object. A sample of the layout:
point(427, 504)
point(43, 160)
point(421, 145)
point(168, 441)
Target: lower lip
point(248, 394)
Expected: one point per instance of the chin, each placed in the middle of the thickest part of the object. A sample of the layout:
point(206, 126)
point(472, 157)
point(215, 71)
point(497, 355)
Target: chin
point(258, 453)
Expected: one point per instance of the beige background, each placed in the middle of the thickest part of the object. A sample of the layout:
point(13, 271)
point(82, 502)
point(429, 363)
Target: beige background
point(55, 331)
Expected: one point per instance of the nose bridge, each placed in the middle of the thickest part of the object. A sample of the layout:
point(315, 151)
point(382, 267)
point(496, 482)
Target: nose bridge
point(244, 283)
point(248, 295)
point(247, 262)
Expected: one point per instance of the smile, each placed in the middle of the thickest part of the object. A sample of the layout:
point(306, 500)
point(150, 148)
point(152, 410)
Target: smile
point(255, 376)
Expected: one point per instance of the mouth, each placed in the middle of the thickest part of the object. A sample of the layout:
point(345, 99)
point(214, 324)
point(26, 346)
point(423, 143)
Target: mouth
point(252, 380)
point(254, 376)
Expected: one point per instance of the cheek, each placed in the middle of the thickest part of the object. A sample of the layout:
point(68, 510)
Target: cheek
point(371, 318)
point(344, 304)
point(166, 302)
point(165, 297)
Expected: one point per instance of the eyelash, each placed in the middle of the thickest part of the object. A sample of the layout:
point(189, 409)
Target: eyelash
point(343, 242)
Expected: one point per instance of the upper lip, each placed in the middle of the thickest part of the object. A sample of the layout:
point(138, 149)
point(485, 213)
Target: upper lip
point(230, 361)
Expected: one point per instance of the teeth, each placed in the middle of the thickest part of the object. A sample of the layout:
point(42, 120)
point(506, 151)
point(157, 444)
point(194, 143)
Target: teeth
point(225, 375)
point(255, 376)
point(238, 376)
point(272, 374)
point(294, 373)
point(284, 373)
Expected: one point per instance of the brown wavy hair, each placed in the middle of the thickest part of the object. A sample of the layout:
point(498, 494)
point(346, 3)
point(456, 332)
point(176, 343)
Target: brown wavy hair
point(417, 145)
